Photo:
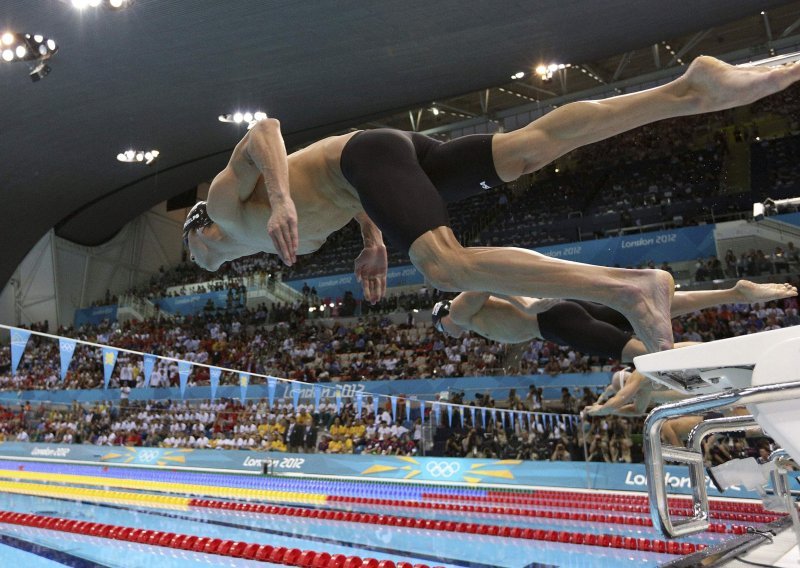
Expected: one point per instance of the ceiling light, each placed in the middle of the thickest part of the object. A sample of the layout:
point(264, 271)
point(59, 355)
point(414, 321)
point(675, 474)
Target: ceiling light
point(518, 75)
point(435, 111)
point(39, 71)
point(33, 49)
point(146, 157)
point(108, 4)
point(545, 72)
point(239, 117)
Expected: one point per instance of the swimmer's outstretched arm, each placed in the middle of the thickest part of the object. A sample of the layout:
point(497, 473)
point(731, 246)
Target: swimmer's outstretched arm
point(264, 148)
point(744, 292)
point(466, 305)
point(371, 264)
point(529, 306)
point(629, 392)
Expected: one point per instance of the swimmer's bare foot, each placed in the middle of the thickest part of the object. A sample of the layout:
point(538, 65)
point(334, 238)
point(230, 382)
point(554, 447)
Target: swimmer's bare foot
point(647, 307)
point(751, 292)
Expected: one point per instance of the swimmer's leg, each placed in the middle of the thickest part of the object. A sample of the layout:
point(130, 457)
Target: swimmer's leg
point(642, 296)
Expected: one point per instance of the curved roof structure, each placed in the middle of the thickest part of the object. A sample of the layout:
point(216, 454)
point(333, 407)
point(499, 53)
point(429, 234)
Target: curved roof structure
point(158, 74)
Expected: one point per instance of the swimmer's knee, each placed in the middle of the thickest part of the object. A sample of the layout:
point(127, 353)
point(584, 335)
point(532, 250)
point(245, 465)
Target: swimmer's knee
point(441, 259)
point(444, 273)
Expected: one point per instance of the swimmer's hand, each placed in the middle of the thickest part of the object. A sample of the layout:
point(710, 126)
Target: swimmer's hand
point(530, 306)
point(597, 410)
point(540, 305)
point(370, 269)
point(282, 229)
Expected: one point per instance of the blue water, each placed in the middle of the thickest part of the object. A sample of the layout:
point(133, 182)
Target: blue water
point(30, 547)
point(396, 543)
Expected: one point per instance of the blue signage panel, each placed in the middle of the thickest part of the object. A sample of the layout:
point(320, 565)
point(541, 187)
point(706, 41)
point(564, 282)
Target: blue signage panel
point(631, 250)
point(791, 218)
point(194, 304)
point(497, 387)
point(95, 315)
point(336, 285)
point(475, 472)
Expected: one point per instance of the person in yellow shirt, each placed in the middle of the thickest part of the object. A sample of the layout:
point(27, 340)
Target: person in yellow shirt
point(347, 445)
point(337, 428)
point(357, 431)
point(276, 444)
point(335, 445)
point(303, 417)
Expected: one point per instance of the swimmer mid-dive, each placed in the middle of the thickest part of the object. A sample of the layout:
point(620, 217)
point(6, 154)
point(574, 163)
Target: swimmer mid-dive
point(595, 330)
point(631, 394)
point(396, 185)
point(590, 328)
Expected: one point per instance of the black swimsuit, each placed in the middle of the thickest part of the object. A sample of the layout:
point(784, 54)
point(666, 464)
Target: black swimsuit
point(405, 179)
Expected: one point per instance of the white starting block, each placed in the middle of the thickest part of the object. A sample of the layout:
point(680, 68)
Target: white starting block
point(761, 371)
point(714, 367)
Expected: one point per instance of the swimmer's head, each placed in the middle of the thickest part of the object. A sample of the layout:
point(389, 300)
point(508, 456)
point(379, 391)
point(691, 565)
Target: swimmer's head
point(201, 238)
point(196, 219)
point(618, 379)
point(440, 310)
point(443, 322)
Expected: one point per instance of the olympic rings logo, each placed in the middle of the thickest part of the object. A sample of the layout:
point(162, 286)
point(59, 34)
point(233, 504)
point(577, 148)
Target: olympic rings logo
point(147, 456)
point(442, 469)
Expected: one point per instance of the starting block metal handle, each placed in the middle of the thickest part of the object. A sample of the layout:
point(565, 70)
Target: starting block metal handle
point(656, 454)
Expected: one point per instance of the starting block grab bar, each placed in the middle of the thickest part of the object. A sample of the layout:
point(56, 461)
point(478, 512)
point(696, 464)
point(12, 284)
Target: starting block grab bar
point(657, 454)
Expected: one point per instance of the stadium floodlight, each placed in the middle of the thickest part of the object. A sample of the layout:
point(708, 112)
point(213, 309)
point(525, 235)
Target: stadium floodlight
point(35, 49)
point(243, 117)
point(106, 4)
point(146, 157)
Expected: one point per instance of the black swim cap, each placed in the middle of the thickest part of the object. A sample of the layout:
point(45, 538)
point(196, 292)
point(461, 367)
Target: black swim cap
point(440, 310)
point(196, 219)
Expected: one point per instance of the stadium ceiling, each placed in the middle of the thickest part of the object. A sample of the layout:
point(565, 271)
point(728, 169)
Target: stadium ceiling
point(158, 74)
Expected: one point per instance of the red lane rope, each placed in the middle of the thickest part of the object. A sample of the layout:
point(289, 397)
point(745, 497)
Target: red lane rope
point(221, 547)
point(522, 497)
point(747, 513)
point(611, 541)
point(567, 515)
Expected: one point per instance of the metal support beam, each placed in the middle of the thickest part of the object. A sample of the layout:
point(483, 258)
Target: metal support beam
point(562, 80)
point(656, 56)
point(696, 38)
point(593, 72)
point(791, 28)
point(411, 118)
point(767, 27)
point(456, 110)
point(484, 96)
point(55, 277)
point(535, 90)
point(623, 62)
